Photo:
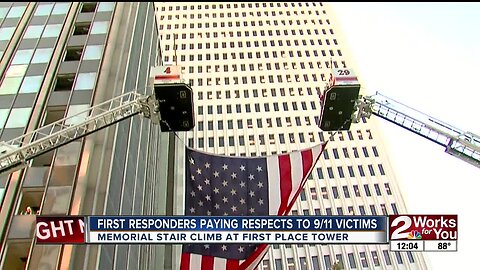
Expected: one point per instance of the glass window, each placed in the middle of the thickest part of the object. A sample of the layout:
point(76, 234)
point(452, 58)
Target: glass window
point(3, 13)
point(52, 30)
point(43, 9)
point(16, 71)
point(42, 55)
point(6, 33)
point(93, 52)
point(10, 85)
point(85, 81)
point(22, 57)
point(3, 116)
point(18, 118)
point(99, 28)
point(16, 12)
point(31, 84)
point(60, 8)
point(34, 31)
point(73, 112)
point(388, 261)
point(106, 6)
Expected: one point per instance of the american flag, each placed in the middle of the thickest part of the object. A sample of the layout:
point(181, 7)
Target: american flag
point(240, 186)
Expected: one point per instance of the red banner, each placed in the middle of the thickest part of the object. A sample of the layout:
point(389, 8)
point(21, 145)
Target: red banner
point(60, 230)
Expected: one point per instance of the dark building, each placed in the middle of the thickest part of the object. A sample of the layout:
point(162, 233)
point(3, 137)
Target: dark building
point(58, 59)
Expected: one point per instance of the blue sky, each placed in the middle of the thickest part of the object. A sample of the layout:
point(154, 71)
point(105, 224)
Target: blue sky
point(426, 56)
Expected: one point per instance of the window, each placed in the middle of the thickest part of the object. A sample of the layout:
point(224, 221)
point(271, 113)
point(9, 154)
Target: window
point(81, 29)
point(316, 265)
point(31, 84)
point(346, 192)
point(42, 55)
point(106, 6)
point(33, 31)
point(64, 82)
point(52, 30)
point(377, 189)
point(99, 27)
point(399, 257)
point(18, 118)
point(85, 81)
point(93, 52)
point(367, 190)
point(73, 54)
point(386, 255)
point(351, 260)
point(3, 116)
point(61, 8)
point(380, 168)
point(410, 257)
point(22, 57)
point(387, 188)
point(6, 33)
point(335, 193)
point(16, 12)
point(363, 259)
point(88, 7)
point(10, 85)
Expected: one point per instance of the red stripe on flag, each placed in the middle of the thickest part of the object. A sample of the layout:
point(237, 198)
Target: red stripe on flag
point(307, 158)
point(185, 262)
point(163, 77)
point(285, 182)
point(207, 262)
point(232, 264)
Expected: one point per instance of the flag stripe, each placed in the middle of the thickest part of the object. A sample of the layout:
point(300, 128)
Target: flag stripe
point(273, 170)
point(220, 263)
point(185, 263)
point(207, 262)
point(296, 174)
point(231, 265)
point(285, 182)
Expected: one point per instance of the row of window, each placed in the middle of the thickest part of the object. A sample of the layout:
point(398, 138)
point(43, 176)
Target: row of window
point(281, 137)
point(222, 25)
point(251, 55)
point(247, 93)
point(346, 152)
point(347, 191)
point(328, 263)
point(249, 5)
point(256, 107)
point(351, 171)
point(261, 79)
point(231, 34)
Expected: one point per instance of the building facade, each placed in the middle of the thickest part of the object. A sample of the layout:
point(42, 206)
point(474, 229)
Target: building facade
point(58, 59)
point(257, 69)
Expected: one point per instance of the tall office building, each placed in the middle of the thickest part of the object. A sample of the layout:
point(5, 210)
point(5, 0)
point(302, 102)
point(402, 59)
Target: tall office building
point(256, 69)
point(57, 59)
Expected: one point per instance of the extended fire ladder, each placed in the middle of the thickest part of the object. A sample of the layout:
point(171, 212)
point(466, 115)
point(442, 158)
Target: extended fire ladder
point(16, 153)
point(458, 143)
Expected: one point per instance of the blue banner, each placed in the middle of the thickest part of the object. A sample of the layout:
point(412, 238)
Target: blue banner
point(237, 223)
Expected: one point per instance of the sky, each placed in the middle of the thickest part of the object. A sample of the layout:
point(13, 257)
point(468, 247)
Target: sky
point(424, 55)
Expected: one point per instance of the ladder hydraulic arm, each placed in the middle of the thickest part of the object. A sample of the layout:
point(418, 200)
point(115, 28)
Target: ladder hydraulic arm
point(16, 153)
point(461, 144)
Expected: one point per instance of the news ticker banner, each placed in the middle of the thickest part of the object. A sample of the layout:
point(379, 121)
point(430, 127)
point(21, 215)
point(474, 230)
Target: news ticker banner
point(401, 231)
point(423, 232)
point(211, 230)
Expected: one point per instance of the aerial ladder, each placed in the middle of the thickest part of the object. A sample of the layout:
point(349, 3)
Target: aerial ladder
point(170, 106)
point(342, 105)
